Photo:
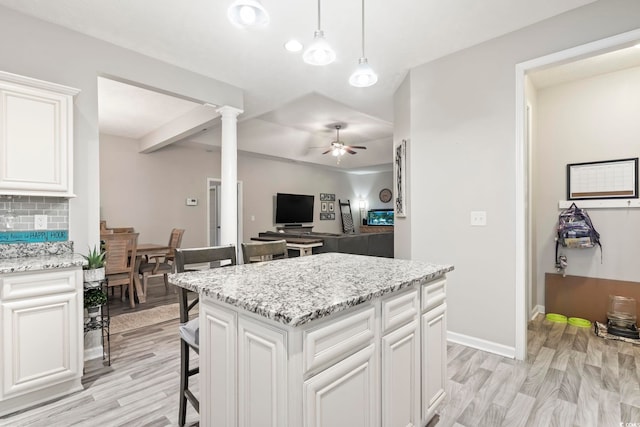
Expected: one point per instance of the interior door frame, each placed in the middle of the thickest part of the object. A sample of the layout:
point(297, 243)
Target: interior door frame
point(218, 181)
point(620, 41)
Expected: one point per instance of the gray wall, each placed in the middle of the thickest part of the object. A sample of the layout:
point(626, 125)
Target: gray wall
point(587, 120)
point(402, 130)
point(148, 191)
point(37, 49)
point(463, 158)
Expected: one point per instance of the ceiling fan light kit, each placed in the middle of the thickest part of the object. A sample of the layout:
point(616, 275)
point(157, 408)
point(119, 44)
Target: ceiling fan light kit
point(248, 14)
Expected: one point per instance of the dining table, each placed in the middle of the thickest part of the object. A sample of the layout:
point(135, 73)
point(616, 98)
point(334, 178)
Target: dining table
point(147, 250)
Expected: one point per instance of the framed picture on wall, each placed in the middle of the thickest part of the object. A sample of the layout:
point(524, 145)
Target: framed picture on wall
point(399, 177)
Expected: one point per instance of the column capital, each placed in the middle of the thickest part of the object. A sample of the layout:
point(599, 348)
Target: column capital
point(229, 111)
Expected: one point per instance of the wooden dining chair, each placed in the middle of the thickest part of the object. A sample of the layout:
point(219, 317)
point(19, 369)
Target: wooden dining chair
point(218, 256)
point(120, 259)
point(264, 251)
point(161, 264)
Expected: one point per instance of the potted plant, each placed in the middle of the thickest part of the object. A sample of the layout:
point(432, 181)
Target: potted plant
point(94, 270)
point(94, 298)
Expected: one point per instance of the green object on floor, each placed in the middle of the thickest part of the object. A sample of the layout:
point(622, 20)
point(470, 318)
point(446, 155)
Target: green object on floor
point(581, 323)
point(558, 318)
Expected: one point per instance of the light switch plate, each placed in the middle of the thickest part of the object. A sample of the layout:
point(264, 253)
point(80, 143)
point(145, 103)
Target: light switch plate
point(478, 218)
point(192, 202)
point(40, 222)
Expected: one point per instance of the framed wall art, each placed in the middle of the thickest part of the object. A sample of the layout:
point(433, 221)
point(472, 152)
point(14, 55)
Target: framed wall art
point(327, 197)
point(399, 178)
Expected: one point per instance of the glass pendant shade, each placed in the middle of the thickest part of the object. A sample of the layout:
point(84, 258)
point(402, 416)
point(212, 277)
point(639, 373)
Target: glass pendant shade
point(319, 53)
point(363, 76)
point(248, 14)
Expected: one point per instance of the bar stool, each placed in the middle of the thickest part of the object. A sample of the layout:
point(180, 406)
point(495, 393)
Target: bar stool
point(190, 329)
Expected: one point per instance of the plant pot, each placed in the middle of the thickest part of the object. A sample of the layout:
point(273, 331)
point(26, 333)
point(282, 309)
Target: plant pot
point(93, 275)
point(93, 313)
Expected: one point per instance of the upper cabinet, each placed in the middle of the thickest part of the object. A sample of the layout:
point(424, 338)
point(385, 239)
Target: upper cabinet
point(36, 137)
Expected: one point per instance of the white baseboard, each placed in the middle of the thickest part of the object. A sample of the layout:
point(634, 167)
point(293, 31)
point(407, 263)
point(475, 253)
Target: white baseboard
point(538, 309)
point(480, 344)
point(92, 353)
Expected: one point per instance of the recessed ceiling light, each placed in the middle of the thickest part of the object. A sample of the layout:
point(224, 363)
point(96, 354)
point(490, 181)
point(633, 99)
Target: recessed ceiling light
point(293, 45)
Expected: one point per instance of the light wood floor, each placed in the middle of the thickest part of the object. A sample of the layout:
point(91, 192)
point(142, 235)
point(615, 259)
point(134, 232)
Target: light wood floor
point(571, 378)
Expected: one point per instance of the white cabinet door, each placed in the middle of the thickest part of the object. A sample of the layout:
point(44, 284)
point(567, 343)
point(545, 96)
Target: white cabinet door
point(36, 137)
point(401, 377)
point(345, 394)
point(434, 360)
point(262, 375)
point(41, 342)
point(218, 405)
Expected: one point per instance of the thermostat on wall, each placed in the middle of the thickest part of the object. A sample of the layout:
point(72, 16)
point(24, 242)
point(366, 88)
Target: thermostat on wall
point(192, 202)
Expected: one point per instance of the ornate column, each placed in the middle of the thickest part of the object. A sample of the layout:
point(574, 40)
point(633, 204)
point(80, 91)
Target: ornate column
point(229, 176)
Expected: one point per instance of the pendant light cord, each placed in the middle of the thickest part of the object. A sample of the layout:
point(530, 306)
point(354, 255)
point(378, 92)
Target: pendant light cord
point(363, 29)
point(319, 28)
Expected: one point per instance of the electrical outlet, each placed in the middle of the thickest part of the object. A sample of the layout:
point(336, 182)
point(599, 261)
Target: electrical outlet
point(40, 222)
point(478, 218)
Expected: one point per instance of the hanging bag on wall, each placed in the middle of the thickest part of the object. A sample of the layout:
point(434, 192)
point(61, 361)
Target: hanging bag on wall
point(575, 230)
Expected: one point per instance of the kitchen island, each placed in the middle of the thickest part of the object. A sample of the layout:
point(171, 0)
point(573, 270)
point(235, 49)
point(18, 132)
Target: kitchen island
point(324, 340)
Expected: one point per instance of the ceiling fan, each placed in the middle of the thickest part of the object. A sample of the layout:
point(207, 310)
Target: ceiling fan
point(338, 148)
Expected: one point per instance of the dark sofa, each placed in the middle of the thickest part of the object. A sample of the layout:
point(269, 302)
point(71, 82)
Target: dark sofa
point(373, 244)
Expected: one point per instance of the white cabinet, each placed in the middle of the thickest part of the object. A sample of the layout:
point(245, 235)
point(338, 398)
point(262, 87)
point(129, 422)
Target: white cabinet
point(262, 375)
point(36, 137)
point(434, 348)
point(381, 363)
point(345, 394)
point(42, 336)
point(401, 361)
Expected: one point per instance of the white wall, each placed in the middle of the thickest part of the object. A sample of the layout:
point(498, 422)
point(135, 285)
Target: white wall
point(48, 52)
point(587, 120)
point(463, 138)
point(148, 191)
point(402, 130)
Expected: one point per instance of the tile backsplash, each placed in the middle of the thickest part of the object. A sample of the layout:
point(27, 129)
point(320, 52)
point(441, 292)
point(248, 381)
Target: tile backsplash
point(20, 210)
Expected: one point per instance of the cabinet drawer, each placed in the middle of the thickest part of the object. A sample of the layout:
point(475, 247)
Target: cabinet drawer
point(23, 285)
point(399, 310)
point(338, 339)
point(433, 293)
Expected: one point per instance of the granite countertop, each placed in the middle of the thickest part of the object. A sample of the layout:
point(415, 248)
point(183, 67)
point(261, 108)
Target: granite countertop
point(41, 262)
point(295, 291)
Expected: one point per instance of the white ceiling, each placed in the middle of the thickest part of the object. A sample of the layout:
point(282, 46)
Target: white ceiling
point(289, 105)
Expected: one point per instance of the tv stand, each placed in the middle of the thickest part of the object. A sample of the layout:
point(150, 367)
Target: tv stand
point(296, 227)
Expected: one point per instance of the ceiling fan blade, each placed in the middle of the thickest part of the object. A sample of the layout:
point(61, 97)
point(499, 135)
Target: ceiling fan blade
point(348, 150)
point(328, 151)
point(359, 147)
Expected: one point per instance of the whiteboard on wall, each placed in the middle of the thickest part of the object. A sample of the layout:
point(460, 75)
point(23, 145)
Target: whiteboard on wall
point(609, 179)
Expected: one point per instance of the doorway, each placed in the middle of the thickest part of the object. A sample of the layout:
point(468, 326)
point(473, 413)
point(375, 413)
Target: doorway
point(524, 221)
point(214, 208)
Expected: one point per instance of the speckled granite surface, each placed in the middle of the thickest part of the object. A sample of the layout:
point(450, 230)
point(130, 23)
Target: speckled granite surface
point(43, 262)
point(16, 257)
point(16, 250)
point(298, 290)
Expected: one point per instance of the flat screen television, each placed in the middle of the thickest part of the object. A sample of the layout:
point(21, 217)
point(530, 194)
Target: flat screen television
point(380, 217)
point(294, 208)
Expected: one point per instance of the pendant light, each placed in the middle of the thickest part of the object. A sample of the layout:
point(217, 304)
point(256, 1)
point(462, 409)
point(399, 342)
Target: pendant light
point(319, 53)
point(363, 76)
point(248, 14)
